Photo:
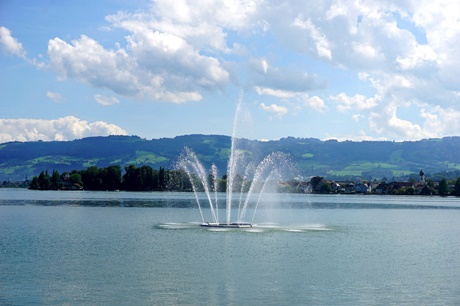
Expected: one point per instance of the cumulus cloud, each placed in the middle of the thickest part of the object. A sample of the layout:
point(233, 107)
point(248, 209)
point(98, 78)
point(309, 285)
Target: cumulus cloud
point(279, 110)
point(10, 44)
point(320, 40)
point(356, 102)
point(288, 84)
point(202, 25)
point(316, 103)
point(162, 58)
point(174, 52)
point(430, 123)
point(406, 52)
point(156, 66)
point(106, 101)
point(66, 128)
point(274, 92)
point(56, 97)
point(441, 121)
point(357, 117)
point(387, 122)
point(276, 81)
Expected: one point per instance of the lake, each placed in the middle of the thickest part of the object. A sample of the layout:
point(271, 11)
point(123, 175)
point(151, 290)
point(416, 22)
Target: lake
point(120, 248)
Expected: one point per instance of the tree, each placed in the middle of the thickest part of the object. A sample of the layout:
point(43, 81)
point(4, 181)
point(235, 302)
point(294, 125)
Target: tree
point(75, 178)
point(325, 188)
point(178, 180)
point(129, 178)
point(143, 178)
point(410, 191)
point(222, 184)
point(443, 188)
point(161, 179)
point(112, 178)
point(430, 184)
point(314, 181)
point(457, 187)
point(91, 179)
point(35, 184)
point(44, 181)
point(55, 180)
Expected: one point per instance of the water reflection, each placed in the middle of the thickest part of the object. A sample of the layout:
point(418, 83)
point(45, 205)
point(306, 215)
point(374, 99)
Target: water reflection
point(187, 200)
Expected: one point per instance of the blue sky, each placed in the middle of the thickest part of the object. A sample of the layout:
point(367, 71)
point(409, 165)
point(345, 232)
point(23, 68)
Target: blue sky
point(346, 70)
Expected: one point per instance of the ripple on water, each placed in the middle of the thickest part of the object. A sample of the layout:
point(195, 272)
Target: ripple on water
point(255, 229)
point(174, 225)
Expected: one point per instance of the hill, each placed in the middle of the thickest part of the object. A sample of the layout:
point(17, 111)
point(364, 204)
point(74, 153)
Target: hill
point(332, 159)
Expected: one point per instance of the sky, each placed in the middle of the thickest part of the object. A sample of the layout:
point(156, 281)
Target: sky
point(328, 69)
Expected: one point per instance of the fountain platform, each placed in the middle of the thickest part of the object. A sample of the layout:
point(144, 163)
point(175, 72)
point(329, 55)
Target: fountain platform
point(225, 225)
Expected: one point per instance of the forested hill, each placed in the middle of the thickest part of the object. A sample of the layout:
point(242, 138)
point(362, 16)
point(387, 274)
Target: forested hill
point(332, 159)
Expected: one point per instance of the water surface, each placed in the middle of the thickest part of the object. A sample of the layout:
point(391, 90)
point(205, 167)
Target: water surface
point(108, 248)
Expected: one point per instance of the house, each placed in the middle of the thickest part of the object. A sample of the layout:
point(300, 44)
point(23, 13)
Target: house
point(402, 185)
point(382, 188)
point(362, 187)
point(336, 187)
point(349, 188)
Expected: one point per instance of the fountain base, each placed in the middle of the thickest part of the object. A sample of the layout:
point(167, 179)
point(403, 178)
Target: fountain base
point(225, 225)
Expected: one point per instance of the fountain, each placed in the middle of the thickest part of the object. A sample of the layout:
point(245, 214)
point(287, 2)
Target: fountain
point(245, 179)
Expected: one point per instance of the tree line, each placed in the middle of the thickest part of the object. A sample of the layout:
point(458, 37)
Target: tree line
point(111, 178)
point(145, 178)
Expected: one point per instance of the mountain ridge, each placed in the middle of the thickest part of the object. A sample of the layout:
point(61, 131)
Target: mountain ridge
point(311, 156)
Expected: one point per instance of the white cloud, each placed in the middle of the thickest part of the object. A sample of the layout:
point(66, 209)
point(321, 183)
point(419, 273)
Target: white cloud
point(56, 97)
point(441, 121)
point(103, 100)
point(382, 39)
point(357, 117)
point(66, 128)
point(155, 65)
point(356, 102)
point(435, 123)
point(361, 136)
point(274, 92)
point(421, 55)
point(316, 103)
point(281, 81)
point(279, 110)
point(176, 61)
point(170, 52)
point(389, 124)
point(298, 100)
point(86, 60)
point(203, 24)
point(10, 44)
point(405, 53)
point(366, 50)
point(320, 40)
point(264, 64)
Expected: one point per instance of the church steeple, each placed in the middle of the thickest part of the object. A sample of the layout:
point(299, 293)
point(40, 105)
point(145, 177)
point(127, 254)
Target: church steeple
point(422, 176)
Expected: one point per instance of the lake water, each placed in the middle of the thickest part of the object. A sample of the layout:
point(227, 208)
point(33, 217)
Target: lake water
point(118, 248)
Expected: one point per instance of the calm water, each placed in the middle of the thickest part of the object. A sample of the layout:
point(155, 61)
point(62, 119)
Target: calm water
point(61, 248)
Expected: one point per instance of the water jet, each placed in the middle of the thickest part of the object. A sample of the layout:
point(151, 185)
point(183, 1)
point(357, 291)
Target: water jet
point(247, 180)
